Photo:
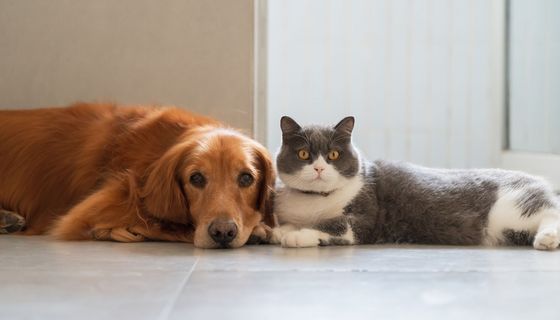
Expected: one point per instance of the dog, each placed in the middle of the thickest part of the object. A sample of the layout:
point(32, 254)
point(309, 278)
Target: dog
point(128, 174)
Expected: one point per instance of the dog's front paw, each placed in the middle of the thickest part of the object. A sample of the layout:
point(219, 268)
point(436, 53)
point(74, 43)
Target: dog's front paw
point(261, 235)
point(11, 222)
point(303, 238)
point(117, 234)
point(546, 240)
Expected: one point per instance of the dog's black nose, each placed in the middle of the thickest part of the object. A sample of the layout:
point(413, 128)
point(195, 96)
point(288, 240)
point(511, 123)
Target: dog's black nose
point(222, 231)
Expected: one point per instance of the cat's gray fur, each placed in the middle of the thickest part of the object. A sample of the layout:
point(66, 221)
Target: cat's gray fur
point(405, 203)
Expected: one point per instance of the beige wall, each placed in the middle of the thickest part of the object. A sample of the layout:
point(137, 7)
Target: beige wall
point(193, 53)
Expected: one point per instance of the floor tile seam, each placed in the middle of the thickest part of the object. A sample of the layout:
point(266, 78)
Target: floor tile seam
point(164, 315)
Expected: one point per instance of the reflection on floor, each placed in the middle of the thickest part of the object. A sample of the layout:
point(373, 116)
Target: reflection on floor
point(45, 279)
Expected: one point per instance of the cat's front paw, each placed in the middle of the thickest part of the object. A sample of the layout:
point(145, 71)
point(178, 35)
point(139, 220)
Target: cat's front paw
point(546, 240)
point(279, 232)
point(277, 235)
point(303, 238)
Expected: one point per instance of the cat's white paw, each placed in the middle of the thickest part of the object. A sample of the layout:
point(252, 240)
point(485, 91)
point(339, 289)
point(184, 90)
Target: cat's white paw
point(303, 238)
point(277, 235)
point(546, 239)
point(279, 232)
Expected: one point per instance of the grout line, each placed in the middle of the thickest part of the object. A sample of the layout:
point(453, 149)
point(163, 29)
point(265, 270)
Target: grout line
point(164, 315)
point(468, 101)
point(408, 82)
point(506, 141)
point(428, 103)
point(449, 132)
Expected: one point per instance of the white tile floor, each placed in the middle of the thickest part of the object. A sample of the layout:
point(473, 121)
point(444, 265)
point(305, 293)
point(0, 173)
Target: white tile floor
point(45, 279)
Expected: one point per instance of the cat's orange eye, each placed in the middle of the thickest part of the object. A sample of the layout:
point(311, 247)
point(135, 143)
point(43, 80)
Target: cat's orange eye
point(333, 155)
point(303, 154)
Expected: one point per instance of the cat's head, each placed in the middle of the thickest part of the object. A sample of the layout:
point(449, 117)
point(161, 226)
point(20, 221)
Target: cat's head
point(317, 158)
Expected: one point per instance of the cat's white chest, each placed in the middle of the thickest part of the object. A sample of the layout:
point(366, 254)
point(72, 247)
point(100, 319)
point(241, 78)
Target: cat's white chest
point(305, 210)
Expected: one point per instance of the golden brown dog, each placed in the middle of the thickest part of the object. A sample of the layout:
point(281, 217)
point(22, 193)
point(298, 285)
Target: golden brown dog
point(97, 171)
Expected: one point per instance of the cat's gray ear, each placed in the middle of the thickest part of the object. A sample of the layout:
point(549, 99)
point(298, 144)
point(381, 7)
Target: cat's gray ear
point(289, 125)
point(345, 125)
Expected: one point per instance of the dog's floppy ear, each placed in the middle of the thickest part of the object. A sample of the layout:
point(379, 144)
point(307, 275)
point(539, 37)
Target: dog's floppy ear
point(162, 191)
point(266, 183)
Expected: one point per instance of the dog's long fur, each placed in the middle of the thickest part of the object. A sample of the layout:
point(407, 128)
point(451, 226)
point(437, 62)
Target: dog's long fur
point(98, 171)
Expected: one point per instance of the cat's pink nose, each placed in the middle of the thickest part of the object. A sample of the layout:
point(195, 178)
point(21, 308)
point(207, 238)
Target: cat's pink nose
point(319, 169)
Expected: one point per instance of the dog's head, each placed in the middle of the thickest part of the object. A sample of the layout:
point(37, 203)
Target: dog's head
point(218, 180)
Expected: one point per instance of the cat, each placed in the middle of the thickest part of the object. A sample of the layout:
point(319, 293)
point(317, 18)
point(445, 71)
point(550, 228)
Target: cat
point(330, 195)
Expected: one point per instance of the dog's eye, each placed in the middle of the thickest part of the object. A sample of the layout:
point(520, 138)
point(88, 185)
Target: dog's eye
point(198, 180)
point(245, 180)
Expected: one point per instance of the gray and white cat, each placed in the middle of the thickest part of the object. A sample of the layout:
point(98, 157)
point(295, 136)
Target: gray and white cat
point(332, 196)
